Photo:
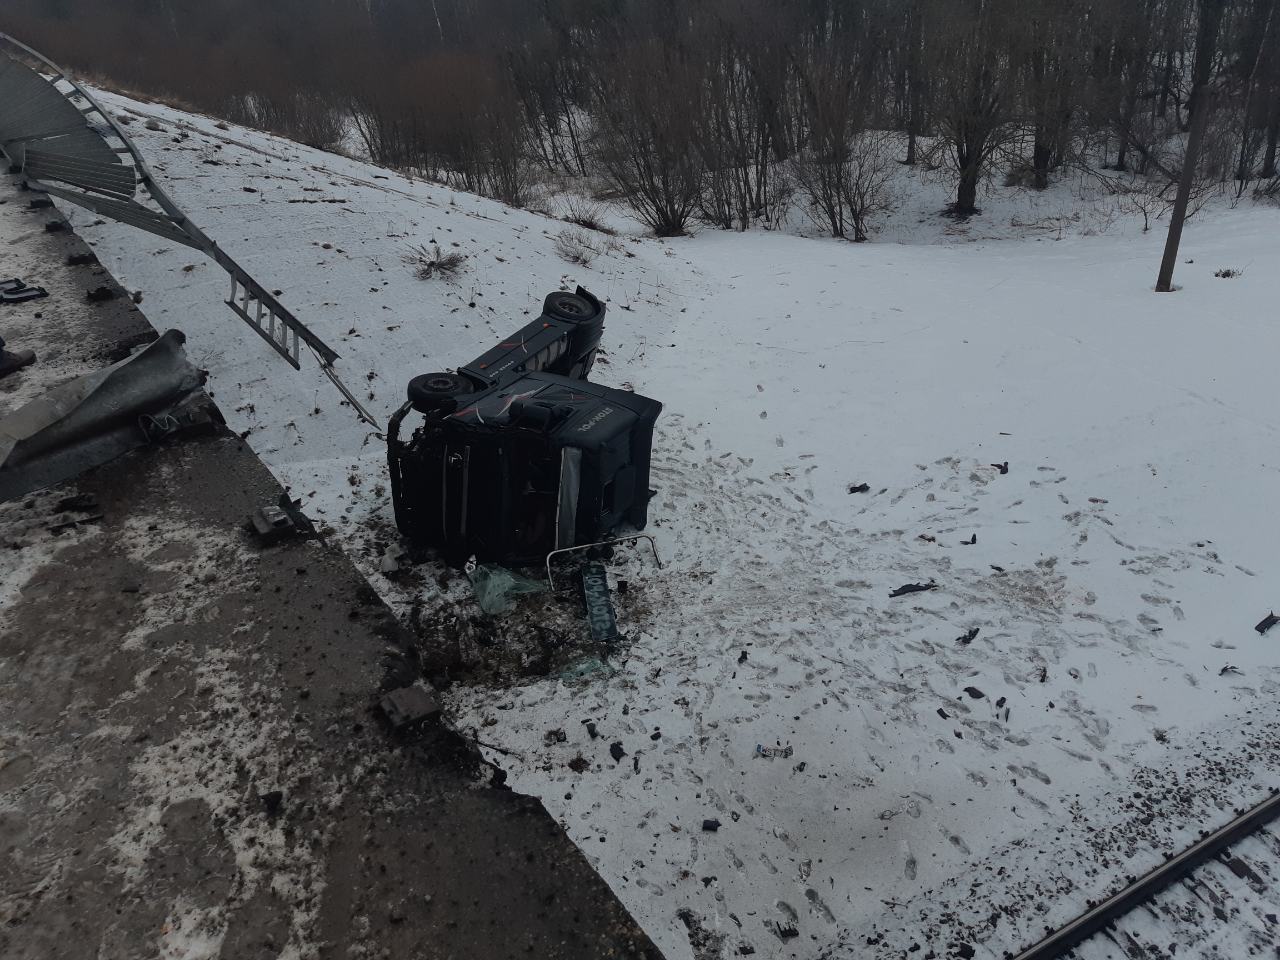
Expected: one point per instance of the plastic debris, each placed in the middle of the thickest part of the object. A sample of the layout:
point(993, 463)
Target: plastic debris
point(17, 291)
point(769, 753)
point(586, 668)
point(390, 561)
point(913, 588)
point(1269, 621)
point(496, 588)
point(783, 931)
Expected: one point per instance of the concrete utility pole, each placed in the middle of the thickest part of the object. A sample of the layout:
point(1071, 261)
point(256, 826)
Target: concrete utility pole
point(1201, 105)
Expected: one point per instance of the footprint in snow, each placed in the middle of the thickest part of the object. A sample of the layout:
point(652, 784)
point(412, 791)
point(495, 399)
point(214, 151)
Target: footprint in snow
point(819, 906)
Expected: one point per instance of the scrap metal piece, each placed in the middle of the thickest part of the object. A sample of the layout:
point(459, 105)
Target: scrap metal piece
point(197, 416)
point(93, 419)
point(271, 524)
point(15, 290)
point(276, 521)
point(409, 704)
point(23, 295)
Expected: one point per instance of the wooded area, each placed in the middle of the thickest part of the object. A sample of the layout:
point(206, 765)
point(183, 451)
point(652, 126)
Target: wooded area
point(730, 112)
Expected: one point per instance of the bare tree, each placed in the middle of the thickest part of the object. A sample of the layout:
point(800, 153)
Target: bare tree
point(847, 187)
point(970, 57)
point(1209, 23)
point(647, 104)
point(736, 132)
point(841, 170)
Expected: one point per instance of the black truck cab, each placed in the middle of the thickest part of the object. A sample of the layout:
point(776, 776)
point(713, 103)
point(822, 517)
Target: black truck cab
point(518, 454)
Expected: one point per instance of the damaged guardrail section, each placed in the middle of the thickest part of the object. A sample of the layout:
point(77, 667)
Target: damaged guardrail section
point(63, 143)
point(91, 420)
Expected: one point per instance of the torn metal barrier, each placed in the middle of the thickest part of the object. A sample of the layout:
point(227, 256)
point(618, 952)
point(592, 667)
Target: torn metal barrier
point(65, 144)
point(95, 418)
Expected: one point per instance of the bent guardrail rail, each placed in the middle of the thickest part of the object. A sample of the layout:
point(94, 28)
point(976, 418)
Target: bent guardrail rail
point(64, 143)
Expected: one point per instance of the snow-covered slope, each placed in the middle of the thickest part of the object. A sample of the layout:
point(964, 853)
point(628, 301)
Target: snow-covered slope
point(882, 774)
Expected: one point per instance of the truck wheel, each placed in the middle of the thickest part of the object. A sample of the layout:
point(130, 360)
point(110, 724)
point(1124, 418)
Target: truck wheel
point(438, 392)
point(569, 306)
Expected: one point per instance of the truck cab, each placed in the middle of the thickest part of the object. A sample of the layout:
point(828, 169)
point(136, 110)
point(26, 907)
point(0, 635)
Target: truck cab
point(518, 454)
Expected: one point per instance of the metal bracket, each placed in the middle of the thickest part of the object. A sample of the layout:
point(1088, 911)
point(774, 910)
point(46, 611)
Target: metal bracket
point(603, 543)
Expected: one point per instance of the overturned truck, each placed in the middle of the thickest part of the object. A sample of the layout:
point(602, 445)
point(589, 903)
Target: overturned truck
point(517, 455)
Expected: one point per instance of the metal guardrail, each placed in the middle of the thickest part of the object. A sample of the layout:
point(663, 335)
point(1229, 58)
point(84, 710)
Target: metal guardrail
point(64, 143)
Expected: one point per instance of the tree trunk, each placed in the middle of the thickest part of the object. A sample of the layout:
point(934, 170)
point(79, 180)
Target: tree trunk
point(967, 191)
point(1166, 85)
point(1199, 118)
point(1248, 147)
point(1126, 123)
point(1201, 103)
point(1041, 155)
point(1040, 149)
point(915, 82)
point(1273, 134)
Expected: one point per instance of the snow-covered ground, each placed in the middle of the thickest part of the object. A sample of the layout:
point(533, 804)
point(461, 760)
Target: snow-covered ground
point(882, 773)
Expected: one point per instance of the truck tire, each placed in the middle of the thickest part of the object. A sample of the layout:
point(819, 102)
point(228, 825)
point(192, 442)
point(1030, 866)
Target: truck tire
point(438, 392)
point(570, 307)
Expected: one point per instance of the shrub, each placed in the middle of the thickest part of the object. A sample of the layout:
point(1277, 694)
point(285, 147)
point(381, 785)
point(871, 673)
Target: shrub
point(1020, 174)
point(575, 246)
point(647, 114)
point(586, 213)
point(430, 262)
point(847, 183)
